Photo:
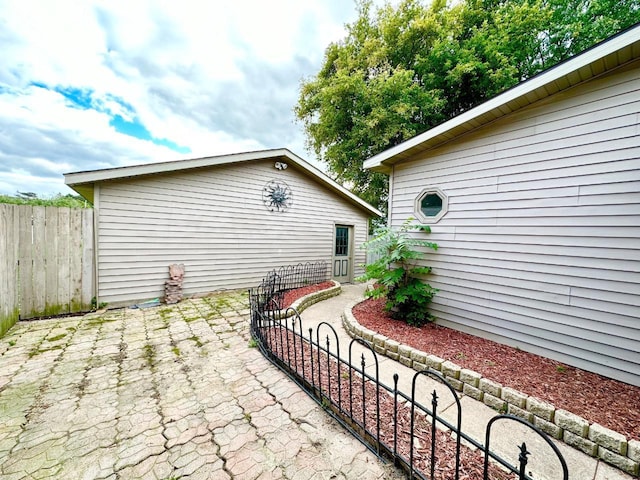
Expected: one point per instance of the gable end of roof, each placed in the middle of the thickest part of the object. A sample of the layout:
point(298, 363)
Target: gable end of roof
point(84, 182)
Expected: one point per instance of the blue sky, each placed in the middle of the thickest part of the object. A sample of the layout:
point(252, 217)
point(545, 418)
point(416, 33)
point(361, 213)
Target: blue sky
point(96, 84)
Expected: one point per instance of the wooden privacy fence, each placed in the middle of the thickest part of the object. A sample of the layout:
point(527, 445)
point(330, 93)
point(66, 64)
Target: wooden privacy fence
point(46, 262)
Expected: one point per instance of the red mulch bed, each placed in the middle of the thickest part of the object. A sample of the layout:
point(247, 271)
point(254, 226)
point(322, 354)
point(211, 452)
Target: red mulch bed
point(613, 404)
point(293, 295)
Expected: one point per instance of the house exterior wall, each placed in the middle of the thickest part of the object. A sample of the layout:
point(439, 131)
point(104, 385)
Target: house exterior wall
point(540, 247)
point(212, 220)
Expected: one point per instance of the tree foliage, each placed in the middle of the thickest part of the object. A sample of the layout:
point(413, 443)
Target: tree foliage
point(398, 274)
point(400, 71)
point(58, 200)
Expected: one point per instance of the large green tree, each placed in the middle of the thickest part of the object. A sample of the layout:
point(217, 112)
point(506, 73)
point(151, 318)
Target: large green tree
point(402, 70)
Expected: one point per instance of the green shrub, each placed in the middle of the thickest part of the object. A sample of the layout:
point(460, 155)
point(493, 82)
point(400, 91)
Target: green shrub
point(397, 273)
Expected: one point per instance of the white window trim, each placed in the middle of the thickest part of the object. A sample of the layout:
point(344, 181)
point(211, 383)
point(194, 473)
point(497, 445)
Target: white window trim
point(430, 191)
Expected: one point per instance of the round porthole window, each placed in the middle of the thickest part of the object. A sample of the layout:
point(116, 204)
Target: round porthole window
point(431, 205)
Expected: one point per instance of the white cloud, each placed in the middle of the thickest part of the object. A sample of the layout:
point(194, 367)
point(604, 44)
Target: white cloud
point(216, 77)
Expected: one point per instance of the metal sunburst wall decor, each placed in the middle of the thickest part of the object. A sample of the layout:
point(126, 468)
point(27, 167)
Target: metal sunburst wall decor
point(277, 196)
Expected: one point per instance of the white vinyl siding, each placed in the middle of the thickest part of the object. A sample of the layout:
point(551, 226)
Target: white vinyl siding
point(540, 247)
point(214, 221)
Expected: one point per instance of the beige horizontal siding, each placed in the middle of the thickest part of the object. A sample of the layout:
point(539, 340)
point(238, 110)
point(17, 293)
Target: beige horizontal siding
point(540, 247)
point(214, 221)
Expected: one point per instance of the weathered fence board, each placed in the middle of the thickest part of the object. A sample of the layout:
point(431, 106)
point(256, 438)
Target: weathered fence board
point(24, 281)
point(9, 312)
point(46, 262)
point(38, 252)
point(51, 262)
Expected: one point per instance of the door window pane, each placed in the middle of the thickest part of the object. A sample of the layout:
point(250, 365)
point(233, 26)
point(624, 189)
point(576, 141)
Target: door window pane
point(342, 241)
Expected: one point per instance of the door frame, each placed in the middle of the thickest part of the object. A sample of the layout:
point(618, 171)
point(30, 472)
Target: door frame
point(350, 256)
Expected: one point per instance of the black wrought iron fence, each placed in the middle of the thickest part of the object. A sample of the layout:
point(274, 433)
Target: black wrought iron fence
point(395, 425)
point(296, 276)
point(270, 293)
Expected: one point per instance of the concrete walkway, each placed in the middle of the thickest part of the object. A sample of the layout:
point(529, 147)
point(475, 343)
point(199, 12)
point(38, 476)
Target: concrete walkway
point(475, 415)
point(162, 393)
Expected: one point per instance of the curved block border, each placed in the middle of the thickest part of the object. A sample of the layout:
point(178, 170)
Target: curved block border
point(305, 302)
point(592, 439)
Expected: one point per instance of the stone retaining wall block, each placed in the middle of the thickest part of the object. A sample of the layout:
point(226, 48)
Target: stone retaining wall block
point(633, 450)
point(489, 386)
point(549, 428)
point(571, 422)
point(470, 377)
point(417, 366)
point(406, 361)
point(357, 330)
point(379, 339)
point(581, 443)
point(623, 463)
point(494, 402)
point(472, 392)
point(393, 355)
point(347, 326)
point(418, 356)
point(520, 413)
point(405, 351)
point(608, 439)
point(379, 349)
point(391, 345)
point(541, 409)
point(434, 362)
point(455, 383)
point(514, 397)
point(450, 369)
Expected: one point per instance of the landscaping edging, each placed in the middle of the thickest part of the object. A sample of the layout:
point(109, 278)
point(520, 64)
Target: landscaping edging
point(305, 302)
point(592, 439)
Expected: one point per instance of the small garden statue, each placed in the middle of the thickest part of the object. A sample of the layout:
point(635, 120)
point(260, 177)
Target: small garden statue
point(173, 286)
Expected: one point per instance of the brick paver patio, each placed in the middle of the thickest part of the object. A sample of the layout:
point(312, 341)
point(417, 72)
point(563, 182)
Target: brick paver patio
point(161, 393)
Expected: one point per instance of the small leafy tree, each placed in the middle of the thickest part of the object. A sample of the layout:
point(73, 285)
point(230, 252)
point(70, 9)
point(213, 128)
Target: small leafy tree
point(397, 272)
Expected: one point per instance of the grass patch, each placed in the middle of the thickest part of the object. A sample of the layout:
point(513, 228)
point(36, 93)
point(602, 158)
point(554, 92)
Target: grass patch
point(96, 322)
point(196, 340)
point(38, 351)
point(150, 354)
point(176, 351)
point(253, 343)
point(57, 337)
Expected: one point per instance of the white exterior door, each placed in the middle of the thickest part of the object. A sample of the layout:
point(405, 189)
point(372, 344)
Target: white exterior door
point(342, 253)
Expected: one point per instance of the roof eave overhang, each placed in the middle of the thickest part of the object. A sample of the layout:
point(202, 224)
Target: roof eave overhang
point(608, 55)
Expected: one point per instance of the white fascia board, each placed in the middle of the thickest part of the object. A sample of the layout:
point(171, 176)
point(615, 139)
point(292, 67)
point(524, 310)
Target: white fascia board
point(92, 176)
point(332, 183)
point(547, 77)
